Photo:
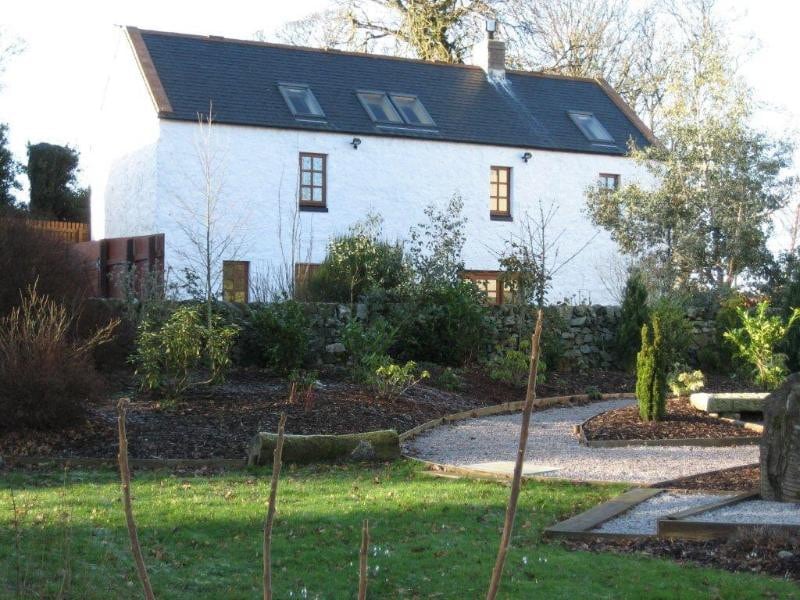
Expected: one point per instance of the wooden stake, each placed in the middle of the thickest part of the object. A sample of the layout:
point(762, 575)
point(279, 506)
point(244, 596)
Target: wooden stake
point(125, 475)
point(273, 493)
point(516, 482)
point(362, 561)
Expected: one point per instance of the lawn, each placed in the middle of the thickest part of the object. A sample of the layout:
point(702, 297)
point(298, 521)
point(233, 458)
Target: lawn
point(431, 538)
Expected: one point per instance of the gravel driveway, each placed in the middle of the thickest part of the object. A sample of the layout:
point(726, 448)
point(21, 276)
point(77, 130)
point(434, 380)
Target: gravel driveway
point(551, 442)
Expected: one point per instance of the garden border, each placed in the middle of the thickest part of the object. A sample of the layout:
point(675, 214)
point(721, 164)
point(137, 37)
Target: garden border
point(140, 463)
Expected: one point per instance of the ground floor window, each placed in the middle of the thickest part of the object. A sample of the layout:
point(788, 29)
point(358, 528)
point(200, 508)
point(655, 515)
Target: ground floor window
point(302, 274)
point(490, 282)
point(236, 281)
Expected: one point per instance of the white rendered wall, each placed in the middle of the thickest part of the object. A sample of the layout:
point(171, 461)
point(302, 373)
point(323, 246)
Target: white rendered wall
point(256, 170)
point(123, 153)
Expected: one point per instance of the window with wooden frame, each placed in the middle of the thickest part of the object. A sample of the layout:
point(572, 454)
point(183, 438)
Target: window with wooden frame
point(500, 192)
point(609, 181)
point(302, 274)
point(491, 283)
point(236, 281)
point(313, 181)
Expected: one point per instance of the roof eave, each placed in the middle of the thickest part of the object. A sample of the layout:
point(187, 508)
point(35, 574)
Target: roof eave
point(628, 111)
point(149, 72)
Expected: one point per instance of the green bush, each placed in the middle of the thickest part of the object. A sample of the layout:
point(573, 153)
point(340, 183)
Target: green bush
point(676, 330)
point(391, 380)
point(512, 366)
point(722, 356)
point(756, 340)
point(634, 314)
point(682, 383)
point(651, 377)
point(444, 324)
point(447, 379)
point(281, 333)
point(170, 353)
point(356, 263)
point(367, 346)
point(787, 300)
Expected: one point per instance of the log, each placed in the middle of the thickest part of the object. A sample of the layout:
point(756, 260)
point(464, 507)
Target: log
point(780, 443)
point(371, 445)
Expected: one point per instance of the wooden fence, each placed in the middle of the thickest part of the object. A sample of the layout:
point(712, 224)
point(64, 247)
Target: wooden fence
point(68, 231)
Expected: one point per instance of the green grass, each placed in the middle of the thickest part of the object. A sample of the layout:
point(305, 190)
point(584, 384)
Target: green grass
point(431, 538)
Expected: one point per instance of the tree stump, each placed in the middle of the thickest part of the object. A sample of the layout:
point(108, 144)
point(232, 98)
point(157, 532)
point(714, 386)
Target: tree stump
point(780, 444)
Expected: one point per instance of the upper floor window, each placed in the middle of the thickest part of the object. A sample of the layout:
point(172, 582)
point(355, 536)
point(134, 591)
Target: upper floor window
point(301, 101)
point(609, 181)
point(500, 192)
point(313, 180)
point(591, 127)
point(379, 107)
point(411, 109)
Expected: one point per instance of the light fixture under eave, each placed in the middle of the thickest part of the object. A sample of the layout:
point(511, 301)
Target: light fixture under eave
point(355, 143)
point(527, 156)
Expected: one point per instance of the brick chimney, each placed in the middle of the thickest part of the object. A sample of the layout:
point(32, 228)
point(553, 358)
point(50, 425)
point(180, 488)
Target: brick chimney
point(490, 54)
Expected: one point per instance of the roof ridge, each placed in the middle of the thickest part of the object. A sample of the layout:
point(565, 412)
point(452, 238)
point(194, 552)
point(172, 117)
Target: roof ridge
point(222, 39)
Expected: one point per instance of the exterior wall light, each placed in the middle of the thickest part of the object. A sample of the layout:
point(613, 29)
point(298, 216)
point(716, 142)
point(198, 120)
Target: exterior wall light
point(527, 156)
point(355, 143)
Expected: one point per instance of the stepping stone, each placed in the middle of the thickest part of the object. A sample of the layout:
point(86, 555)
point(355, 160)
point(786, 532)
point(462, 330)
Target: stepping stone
point(506, 467)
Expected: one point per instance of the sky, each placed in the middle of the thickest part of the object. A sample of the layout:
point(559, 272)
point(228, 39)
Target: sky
point(53, 90)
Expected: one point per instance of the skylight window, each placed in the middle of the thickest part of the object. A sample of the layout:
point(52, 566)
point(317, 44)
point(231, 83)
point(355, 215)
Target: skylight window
point(412, 110)
point(379, 107)
point(591, 127)
point(301, 101)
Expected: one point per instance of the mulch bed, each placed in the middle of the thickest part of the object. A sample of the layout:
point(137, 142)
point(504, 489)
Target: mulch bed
point(740, 479)
point(747, 552)
point(220, 421)
point(682, 421)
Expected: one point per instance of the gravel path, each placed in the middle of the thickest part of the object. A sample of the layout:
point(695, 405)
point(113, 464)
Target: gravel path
point(753, 511)
point(551, 442)
point(642, 518)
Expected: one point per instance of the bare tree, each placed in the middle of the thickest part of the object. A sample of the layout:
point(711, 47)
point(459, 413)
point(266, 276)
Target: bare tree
point(362, 561)
point(533, 258)
point(214, 226)
point(273, 497)
point(516, 481)
point(10, 46)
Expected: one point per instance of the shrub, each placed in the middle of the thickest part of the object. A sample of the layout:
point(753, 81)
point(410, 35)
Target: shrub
point(683, 383)
point(170, 353)
point(651, 384)
point(788, 298)
point(356, 263)
point(46, 378)
point(594, 393)
point(755, 342)
point(448, 379)
point(513, 366)
point(367, 346)
point(303, 383)
point(443, 324)
point(633, 315)
point(391, 380)
point(723, 352)
point(676, 330)
point(281, 333)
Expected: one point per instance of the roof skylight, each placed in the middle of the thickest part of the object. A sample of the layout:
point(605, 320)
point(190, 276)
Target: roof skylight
point(411, 109)
point(591, 127)
point(301, 101)
point(379, 108)
point(394, 109)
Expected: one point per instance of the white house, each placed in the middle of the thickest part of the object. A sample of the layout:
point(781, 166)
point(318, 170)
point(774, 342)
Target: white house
point(306, 142)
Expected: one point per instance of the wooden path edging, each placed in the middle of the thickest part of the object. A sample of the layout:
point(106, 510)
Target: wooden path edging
point(505, 408)
point(581, 525)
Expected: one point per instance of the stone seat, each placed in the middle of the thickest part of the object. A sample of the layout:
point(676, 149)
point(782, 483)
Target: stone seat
point(733, 402)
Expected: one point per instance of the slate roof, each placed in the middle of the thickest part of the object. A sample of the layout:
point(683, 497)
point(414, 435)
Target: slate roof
point(186, 72)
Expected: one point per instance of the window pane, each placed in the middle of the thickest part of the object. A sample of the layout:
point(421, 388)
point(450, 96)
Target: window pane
point(379, 108)
point(591, 127)
point(318, 179)
point(305, 193)
point(502, 175)
point(493, 176)
point(502, 205)
point(317, 194)
point(412, 110)
point(306, 162)
point(306, 178)
point(301, 101)
point(317, 162)
point(502, 190)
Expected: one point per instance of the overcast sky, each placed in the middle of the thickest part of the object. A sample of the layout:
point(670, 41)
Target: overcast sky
point(52, 91)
